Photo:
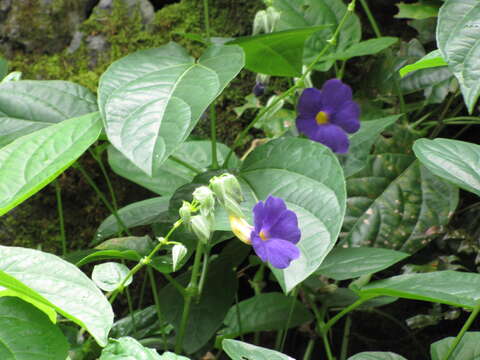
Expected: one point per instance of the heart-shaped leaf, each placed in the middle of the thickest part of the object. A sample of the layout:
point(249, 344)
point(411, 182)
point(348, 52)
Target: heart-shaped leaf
point(458, 40)
point(56, 283)
point(30, 105)
point(151, 100)
point(309, 178)
point(32, 161)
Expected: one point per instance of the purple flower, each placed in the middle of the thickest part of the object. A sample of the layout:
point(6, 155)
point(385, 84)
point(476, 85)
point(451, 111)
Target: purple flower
point(327, 115)
point(275, 232)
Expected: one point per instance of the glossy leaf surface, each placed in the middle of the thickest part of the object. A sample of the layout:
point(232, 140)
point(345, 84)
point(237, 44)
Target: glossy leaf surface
point(308, 177)
point(467, 349)
point(239, 350)
point(363, 48)
point(394, 202)
point(454, 160)
point(30, 105)
point(173, 173)
point(265, 312)
point(58, 284)
point(432, 59)
point(151, 100)
point(458, 40)
point(128, 348)
point(304, 13)
point(376, 355)
point(26, 333)
point(32, 161)
point(140, 213)
point(278, 53)
point(349, 263)
point(108, 276)
point(446, 287)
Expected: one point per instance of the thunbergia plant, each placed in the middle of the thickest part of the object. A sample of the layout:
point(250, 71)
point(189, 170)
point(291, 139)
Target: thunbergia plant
point(329, 211)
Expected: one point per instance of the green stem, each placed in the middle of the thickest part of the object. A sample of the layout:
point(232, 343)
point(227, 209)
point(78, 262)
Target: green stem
point(203, 275)
point(371, 19)
point(187, 165)
point(289, 318)
point(464, 329)
point(239, 317)
point(146, 260)
point(102, 197)
point(309, 349)
point(441, 118)
point(213, 136)
point(63, 238)
point(345, 311)
point(346, 338)
point(98, 159)
point(298, 84)
point(153, 284)
point(192, 291)
point(130, 309)
point(326, 344)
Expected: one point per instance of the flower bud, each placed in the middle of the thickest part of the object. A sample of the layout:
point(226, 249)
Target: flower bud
point(258, 89)
point(229, 192)
point(185, 212)
point(205, 198)
point(178, 253)
point(201, 226)
point(241, 228)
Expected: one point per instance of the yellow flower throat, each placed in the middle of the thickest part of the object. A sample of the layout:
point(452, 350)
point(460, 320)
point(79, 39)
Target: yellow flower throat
point(263, 236)
point(322, 118)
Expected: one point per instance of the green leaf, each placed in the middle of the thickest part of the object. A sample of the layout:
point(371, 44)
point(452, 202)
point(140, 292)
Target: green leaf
point(340, 298)
point(239, 350)
point(309, 178)
point(265, 312)
point(305, 13)
point(367, 47)
point(467, 349)
point(3, 67)
point(458, 39)
point(26, 333)
point(207, 314)
point(350, 263)
point(361, 143)
point(278, 53)
point(140, 213)
point(431, 60)
point(436, 83)
point(32, 161)
point(58, 284)
point(29, 105)
point(127, 348)
point(454, 160)
point(417, 11)
point(176, 171)
point(376, 355)
point(171, 356)
point(152, 99)
point(446, 287)
point(394, 202)
point(108, 276)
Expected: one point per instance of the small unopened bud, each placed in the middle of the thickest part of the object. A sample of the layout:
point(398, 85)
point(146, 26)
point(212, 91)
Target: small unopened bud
point(229, 193)
point(205, 198)
point(201, 226)
point(185, 212)
point(258, 89)
point(178, 253)
point(241, 228)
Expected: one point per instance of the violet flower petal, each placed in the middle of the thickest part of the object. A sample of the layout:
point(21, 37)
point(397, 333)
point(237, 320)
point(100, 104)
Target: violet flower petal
point(347, 117)
point(286, 227)
point(334, 93)
point(278, 252)
point(258, 216)
point(332, 136)
point(307, 125)
point(274, 207)
point(310, 103)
